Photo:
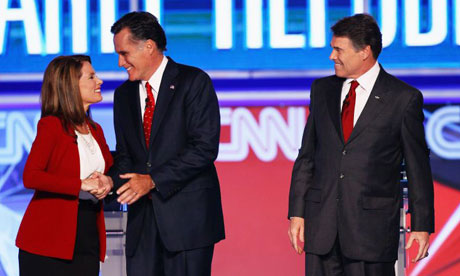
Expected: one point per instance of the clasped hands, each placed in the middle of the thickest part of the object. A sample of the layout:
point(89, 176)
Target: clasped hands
point(100, 185)
point(97, 184)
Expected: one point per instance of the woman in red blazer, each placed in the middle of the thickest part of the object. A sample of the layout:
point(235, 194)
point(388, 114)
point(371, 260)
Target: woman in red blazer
point(63, 231)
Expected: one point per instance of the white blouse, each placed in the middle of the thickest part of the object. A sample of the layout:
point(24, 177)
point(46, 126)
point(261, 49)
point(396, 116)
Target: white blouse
point(91, 159)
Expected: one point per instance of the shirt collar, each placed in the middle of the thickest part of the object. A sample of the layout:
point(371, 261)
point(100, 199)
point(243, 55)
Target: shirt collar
point(368, 79)
point(155, 79)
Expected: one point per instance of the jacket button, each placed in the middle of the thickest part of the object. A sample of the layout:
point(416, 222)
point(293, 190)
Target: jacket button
point(342, 176)
point(149, 164)
point(344, 152)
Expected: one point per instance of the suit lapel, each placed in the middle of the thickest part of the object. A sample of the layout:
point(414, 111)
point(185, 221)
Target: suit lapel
point(135, 109)
point(333, 102)
point(165, 94)
point(374, 105)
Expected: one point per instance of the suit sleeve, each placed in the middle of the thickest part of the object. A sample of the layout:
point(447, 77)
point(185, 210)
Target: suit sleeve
point(303, 171)
point(122, 162)
point(203, 131)
point(36, 174)
point(416, 155)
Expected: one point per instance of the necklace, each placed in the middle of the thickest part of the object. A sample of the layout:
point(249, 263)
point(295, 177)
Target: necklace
point(90, 142)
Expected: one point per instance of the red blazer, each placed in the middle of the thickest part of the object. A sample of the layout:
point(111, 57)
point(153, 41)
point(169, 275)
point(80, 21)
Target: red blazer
point(49, 225)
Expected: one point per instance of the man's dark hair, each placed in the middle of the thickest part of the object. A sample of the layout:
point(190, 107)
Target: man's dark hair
point(362, 30)
point(143, 26)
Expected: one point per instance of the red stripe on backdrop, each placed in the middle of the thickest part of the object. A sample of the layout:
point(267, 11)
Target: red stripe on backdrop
point(255, 202)
point(445, 261)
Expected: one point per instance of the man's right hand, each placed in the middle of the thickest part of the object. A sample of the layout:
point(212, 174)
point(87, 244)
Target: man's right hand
point(296, 233)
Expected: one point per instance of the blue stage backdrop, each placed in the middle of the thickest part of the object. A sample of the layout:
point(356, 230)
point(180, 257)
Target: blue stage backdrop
point(229, 34)
point(262, 56)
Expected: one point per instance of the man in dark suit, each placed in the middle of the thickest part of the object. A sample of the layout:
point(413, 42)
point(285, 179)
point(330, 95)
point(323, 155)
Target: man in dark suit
point(167, 127)
point(345, 194)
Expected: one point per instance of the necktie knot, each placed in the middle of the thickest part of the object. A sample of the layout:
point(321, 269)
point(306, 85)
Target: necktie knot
point(150, 98)
point(353, 85)
point(351, 94)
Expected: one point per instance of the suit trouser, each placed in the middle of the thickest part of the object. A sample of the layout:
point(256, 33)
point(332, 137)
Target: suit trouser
point(335, 264)
point(151, 258)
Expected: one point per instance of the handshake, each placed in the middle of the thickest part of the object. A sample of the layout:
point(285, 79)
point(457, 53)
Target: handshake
point(97, 184)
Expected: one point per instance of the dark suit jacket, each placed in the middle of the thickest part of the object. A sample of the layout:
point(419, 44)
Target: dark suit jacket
point(49, 225)
point(352, 189)
point(184, 143)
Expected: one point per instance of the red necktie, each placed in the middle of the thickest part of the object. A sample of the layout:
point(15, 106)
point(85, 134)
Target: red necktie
point(148, 114)
point(348, 110)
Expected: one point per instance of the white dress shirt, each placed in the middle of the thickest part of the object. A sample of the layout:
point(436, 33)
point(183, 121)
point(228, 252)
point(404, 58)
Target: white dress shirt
point(154, 81)
point(366, 83)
